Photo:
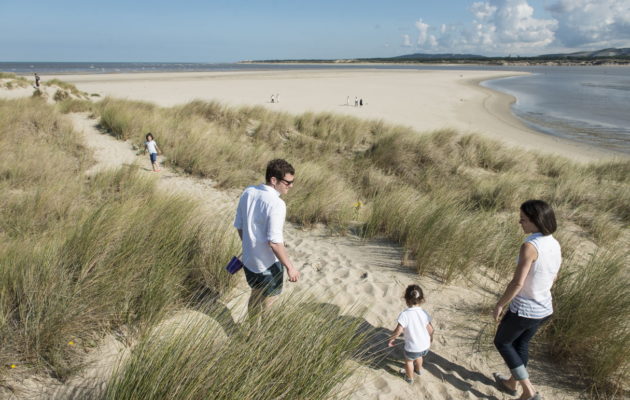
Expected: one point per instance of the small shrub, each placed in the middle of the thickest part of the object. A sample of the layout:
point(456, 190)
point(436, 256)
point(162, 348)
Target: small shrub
point(61, 95)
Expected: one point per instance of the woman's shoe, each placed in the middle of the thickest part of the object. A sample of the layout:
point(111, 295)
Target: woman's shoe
point(500, 383)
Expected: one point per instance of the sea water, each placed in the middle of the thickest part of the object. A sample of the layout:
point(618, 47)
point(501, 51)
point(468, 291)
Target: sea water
point(586, 104)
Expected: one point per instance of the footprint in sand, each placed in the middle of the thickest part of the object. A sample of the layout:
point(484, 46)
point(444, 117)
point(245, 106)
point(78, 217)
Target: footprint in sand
point(382, 385)
point(369, 289)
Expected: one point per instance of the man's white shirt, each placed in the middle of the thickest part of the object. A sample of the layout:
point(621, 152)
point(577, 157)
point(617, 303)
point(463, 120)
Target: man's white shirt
point(260, 216)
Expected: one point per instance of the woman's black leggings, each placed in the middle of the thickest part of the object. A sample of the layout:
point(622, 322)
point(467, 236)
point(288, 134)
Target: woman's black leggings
point(512, 341)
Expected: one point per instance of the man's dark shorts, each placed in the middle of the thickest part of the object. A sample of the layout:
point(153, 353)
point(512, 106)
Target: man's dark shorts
point(270, 281)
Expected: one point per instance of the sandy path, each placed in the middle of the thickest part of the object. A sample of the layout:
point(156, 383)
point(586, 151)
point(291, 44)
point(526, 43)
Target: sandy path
point(341, 272)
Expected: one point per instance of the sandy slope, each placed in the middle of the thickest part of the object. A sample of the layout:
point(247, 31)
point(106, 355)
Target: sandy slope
point(342, 272)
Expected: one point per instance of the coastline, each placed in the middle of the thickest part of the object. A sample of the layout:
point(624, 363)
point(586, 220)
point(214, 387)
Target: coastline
point(425, 100)
point(498, 105)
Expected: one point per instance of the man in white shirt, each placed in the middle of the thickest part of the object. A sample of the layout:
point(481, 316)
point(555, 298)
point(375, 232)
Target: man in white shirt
point(259, 220)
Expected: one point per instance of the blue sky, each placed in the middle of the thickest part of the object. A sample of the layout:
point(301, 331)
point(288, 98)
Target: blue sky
point(227, 31)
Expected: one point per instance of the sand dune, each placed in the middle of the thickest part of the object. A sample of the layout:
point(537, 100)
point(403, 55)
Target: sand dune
point(345, 272)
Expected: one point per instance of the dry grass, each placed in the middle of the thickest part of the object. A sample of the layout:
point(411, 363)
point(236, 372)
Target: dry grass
point(590, 325)
point(82, 257)
point(78, 257)
point(300, 351)
point(451, 200)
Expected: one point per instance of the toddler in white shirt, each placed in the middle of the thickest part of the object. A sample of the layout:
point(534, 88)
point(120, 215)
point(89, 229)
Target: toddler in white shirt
point(418, 332)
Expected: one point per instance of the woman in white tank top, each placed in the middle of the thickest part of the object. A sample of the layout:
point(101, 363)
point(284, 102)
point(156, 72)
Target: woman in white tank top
point(528, 296)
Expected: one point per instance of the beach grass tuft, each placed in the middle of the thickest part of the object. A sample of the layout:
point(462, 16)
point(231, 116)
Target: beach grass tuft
point(590, 323)
point(300, 350)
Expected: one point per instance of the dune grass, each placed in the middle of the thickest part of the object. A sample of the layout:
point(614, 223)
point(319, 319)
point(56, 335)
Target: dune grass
point(590, 326)
point(80, 257)
point(65, 87)
point(70, 105)
point(300, 351)
point(13, 80)
point(208, 139)
point(451, 200)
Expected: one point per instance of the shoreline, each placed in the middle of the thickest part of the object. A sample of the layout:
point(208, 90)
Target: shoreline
point(499, 106)
point(425, 100)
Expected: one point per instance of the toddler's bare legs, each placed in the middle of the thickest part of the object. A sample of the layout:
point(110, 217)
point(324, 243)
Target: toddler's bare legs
point(418, 364)
point(409, 368)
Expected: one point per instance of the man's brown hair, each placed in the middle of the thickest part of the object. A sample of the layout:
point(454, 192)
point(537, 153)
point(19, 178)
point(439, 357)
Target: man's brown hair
point(278, 168)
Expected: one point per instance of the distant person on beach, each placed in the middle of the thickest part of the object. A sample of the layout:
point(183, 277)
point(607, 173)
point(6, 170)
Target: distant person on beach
point(272, 99)
point(37, 78)
point(528, 296)
point(151, 146)
point(361, 102)
point(259, 220)
point(277, 97)
point(348, 100)
point(418, 332)
point(356, 101)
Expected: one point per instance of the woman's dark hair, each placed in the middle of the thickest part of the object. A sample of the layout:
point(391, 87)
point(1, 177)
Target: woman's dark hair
point(147, 136)
point(540, 214)
point(414, 295)
point(278, 168)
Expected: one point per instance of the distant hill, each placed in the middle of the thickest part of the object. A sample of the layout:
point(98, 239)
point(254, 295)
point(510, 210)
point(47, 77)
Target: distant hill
point(447, 56)
point(612, 52)
point(597, 57)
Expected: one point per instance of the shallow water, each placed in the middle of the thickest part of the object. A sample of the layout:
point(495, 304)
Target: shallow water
point(587, 104)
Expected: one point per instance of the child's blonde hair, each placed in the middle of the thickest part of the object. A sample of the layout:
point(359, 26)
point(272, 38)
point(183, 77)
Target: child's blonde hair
point(414, 295)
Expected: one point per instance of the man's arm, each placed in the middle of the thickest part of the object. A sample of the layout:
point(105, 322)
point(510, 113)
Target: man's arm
point(281, 252)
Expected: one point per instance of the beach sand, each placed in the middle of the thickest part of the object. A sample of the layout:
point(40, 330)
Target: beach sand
point(423, 100)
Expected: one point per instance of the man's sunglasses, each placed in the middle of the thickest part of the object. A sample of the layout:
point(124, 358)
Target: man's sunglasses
point(288, 183)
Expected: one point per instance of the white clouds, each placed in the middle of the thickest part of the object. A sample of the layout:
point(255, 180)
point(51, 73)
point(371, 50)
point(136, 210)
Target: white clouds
point(424, 38)
point(592, 22)
point(407, 41)
point(510, 26)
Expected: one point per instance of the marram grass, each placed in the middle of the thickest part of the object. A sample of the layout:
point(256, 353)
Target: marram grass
point(450, 199)
point(299, 350)
point(80, 257)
